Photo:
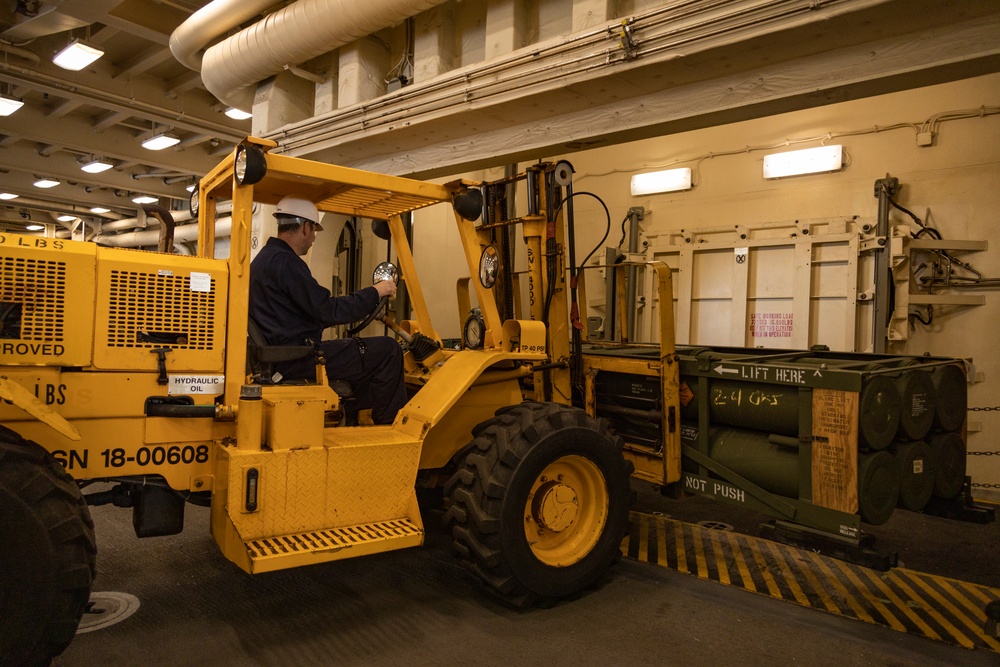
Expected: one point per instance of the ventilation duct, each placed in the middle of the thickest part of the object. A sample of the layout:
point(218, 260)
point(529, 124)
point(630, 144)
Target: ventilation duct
point(299, 32)
point(189, 41)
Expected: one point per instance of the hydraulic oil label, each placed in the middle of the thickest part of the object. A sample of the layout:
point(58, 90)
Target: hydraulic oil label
point(192, 385)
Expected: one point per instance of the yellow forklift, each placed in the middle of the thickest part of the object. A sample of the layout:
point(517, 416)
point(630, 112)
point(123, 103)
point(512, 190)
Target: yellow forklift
point(131, 368)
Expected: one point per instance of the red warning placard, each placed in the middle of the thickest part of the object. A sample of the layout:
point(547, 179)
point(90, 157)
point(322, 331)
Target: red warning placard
point(771, 325)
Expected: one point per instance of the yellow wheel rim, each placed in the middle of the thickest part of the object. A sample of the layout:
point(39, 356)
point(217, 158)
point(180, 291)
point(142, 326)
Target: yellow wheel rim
point(566, 511)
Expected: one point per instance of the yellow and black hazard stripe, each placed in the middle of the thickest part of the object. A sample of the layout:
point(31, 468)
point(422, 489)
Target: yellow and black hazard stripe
point(937, 607)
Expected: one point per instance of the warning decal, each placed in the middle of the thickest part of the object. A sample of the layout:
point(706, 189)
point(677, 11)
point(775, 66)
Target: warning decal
point(771, 325)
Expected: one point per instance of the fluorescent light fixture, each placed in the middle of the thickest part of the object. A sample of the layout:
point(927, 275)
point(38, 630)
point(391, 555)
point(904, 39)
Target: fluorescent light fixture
point(145, 199)
point(671, 180)
point(97, 166)
point(9, 105)
point(46, 182)
point(808, 161)
point(238, 114)
point(35, 228)
point(7, 195)
point(77, 55)
point(158, 142)
point(66, 218)
point(100, 209)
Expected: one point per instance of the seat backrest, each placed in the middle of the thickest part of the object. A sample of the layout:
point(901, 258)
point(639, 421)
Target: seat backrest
point(262, 357)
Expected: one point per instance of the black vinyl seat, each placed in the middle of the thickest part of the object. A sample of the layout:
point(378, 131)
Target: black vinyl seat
point(262, 357)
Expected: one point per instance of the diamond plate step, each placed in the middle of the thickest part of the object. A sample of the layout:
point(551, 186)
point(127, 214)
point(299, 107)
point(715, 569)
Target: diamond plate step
point(285, 551)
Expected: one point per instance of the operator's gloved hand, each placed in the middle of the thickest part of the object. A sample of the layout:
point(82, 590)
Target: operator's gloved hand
point(385, 288)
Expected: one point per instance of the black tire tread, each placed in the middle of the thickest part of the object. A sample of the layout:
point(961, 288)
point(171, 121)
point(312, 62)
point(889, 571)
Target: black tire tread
point(480, 484)
point(39, 480)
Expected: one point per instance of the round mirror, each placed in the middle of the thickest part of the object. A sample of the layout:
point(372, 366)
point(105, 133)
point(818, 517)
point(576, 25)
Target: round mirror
point(489, 266)
point(385, 271)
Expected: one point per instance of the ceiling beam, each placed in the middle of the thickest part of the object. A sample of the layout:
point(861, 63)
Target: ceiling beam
point(75, 132)
point(144, 61)
point(142, 97)
point(184, 82)
point(47, 150)
point(64, 107)
point(109, 119)
point(151, 21)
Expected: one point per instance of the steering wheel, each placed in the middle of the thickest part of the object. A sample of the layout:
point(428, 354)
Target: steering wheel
point(384, 271)
point(370, 317)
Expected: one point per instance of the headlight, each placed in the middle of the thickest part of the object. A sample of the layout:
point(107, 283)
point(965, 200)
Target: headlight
point(250, 164)
point(193, 202)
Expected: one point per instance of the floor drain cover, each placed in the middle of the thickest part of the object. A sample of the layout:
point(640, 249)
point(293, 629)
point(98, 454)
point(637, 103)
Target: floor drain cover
point(715, 525)
point(106, 609)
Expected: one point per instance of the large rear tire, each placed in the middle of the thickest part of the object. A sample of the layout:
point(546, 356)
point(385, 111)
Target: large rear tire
point(540, 502)
point(48, 559)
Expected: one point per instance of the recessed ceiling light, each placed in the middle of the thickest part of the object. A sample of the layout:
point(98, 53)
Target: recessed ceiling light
point(66, 218)
point(77, 55)
point(9, 105)
point(158, 142)
point(238, 114)
point(145, 199)
point(7, 195)
point(34, 228)
point(46, 182)
point(100, 209)
point(97, 166)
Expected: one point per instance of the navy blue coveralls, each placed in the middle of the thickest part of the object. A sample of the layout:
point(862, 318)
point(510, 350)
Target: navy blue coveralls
point(291, 308)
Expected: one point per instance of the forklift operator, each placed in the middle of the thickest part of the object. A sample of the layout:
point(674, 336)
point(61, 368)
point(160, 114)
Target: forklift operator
point(291, 308)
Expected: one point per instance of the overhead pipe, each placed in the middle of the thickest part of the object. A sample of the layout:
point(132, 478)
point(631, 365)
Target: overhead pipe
point(293, 35)
point(160, 174)
point(50, 207)
point(11, 50)
point(179, 216)
point(151, 237)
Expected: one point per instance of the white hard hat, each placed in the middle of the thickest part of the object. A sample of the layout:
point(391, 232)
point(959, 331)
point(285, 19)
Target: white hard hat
point(298, 207)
